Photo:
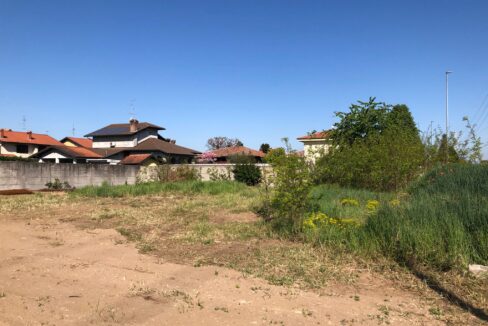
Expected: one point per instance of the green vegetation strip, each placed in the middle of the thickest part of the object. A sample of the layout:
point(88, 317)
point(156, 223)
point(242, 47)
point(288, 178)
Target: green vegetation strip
point(185, 187)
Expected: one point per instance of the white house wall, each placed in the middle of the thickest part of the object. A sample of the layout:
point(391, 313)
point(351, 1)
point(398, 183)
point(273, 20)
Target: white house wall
point(11, 148)
point(114, 141)
point(314, 149)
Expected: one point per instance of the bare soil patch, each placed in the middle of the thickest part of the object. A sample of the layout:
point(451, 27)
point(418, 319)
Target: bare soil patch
point(63, 262)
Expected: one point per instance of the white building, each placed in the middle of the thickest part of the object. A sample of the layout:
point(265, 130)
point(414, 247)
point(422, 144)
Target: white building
point(315, 145)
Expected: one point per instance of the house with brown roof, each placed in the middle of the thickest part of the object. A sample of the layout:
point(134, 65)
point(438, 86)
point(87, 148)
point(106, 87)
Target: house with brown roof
point(315, 144)
point(223, 155)
point(118, 143)
point(22, 143)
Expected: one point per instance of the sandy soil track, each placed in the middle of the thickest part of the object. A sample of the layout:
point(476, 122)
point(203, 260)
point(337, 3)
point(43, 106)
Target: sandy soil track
point(55, 274)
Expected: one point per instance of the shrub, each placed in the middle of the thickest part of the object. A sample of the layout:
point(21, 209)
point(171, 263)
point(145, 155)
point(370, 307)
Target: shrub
point(245, 170)
point(375, 150)
point(168, 173)
point(215, 174)
point(15, 158)
point(289, 199)
point(58, 185)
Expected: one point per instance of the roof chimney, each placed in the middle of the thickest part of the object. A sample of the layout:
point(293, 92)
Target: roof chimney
point(133, 125)
point(29, 135)
point(2, 133)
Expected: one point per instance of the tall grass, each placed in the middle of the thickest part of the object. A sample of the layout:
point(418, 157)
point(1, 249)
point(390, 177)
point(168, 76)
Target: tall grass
point(328, 199)
point(444, 223)
point(183, 187)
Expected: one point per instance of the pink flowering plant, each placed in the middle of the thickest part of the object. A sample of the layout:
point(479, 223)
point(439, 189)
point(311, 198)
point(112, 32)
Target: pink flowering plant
point(208, 157)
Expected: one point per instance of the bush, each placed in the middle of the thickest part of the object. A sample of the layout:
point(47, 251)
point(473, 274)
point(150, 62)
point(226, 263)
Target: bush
point(15, 158)
point(167, 173)
point(58, 185)
point(289, 200)
point(245, 170)
point(375, 147)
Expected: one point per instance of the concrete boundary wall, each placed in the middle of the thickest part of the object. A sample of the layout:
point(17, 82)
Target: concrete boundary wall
point(206, 172)
point(34, 176)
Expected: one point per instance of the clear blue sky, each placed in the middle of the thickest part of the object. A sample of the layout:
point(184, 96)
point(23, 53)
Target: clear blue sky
point(254, 69)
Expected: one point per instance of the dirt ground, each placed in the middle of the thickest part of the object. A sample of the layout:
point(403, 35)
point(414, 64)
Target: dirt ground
point(52, 273)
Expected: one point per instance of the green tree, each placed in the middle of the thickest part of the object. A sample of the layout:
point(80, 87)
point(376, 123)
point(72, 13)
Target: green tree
point(265, 148)
point(377, 146)
point(363, 120)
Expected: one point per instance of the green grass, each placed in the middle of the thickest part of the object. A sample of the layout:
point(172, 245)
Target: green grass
point(442, 224)
point(329, 199)
point(184, 187)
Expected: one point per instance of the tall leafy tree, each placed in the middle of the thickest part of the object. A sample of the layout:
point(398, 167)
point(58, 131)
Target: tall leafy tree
point(265, 148)
point(377, 146)
point(362, 120)
point(222, 142)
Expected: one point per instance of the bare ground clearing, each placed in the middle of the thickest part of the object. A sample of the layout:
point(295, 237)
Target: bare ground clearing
point(62, 263)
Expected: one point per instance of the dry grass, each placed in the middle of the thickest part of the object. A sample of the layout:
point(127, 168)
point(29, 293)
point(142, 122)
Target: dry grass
point(204, 229)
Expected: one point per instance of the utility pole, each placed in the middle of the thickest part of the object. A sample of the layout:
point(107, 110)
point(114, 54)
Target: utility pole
point(447, 115)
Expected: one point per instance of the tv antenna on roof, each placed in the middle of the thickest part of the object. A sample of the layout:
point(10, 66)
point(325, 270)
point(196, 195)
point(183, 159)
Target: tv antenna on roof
point(73, 129)
point(24, 123)
point(132, 111)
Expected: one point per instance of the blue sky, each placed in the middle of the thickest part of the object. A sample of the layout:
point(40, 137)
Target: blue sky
point(258, 70)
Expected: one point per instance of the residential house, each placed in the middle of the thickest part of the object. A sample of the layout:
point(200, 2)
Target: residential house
point(23, 144)
point(223, 155)
point(117, 142)
point(315, 144)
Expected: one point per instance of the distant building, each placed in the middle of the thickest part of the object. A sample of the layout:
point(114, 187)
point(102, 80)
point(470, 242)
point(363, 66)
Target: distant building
point(315, 144)
point(122, 143)
point(22, 143)
point(223, 155)
point(115, 142)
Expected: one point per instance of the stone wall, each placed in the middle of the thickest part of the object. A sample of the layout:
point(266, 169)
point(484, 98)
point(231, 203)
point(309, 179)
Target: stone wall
point(27, 175)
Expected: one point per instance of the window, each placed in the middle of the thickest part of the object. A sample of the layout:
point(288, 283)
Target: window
point(22, 149)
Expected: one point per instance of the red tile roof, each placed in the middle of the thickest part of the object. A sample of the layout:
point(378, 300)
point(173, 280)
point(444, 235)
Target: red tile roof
point(135, 159)
point(316, 135)
point(83, 142)
point(237, 150)
point(22, 137)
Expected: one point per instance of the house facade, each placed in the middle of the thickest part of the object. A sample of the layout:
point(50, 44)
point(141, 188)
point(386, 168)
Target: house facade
point(315, 145)
point(23, 144)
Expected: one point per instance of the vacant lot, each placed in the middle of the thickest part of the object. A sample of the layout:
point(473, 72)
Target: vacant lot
point(189, 255)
